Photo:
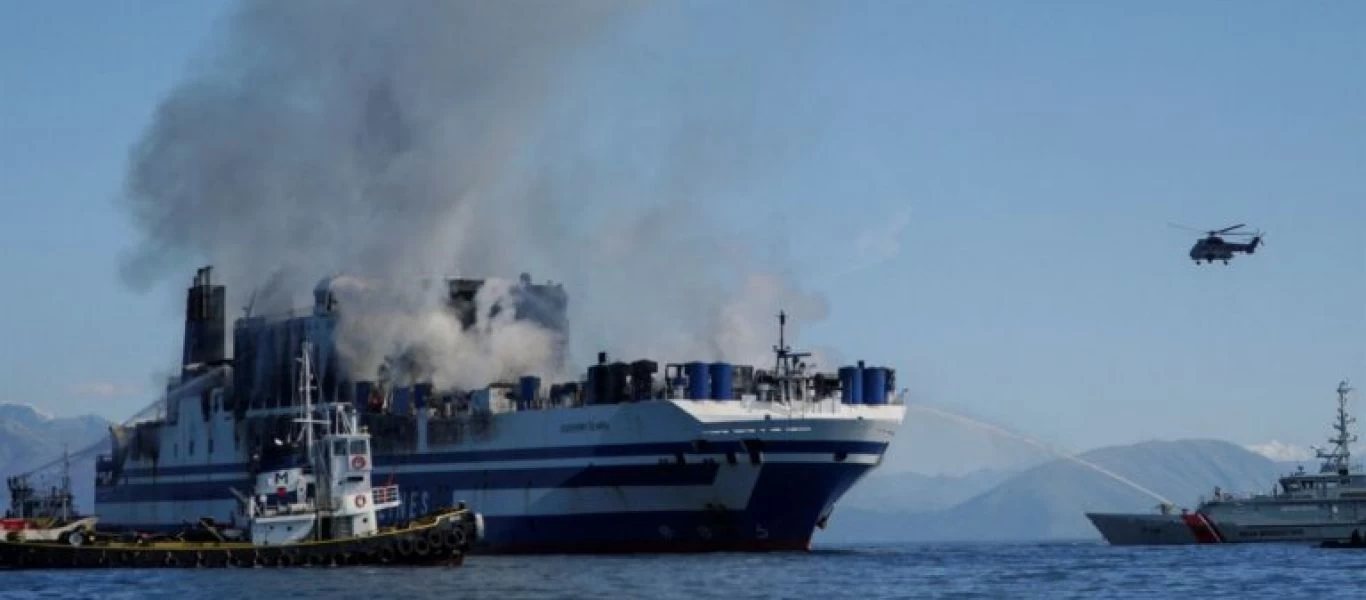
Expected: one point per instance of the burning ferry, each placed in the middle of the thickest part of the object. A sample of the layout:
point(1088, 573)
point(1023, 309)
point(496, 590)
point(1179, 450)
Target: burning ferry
point(701, 456)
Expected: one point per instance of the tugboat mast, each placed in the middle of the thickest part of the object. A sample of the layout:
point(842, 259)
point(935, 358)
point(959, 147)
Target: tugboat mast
point(308, 419)
point(65, 497)
point(1337, 459)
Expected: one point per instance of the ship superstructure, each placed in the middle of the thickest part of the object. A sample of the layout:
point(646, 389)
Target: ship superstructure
point(703, 456)
point(1327, 505)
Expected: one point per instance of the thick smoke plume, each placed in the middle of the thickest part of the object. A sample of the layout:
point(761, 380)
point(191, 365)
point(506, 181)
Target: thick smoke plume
point(585, 142)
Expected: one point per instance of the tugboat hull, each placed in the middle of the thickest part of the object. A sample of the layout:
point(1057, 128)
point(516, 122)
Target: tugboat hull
point(439, 539)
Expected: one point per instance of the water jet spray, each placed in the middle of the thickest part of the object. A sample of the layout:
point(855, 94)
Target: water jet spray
point(993, 429)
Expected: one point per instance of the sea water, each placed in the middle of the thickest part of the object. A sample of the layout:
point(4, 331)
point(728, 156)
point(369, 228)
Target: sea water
point(1090, 569)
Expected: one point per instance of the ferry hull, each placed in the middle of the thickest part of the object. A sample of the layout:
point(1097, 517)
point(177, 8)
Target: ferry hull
point(723, 481)
point(788, 503)
point(785, 505)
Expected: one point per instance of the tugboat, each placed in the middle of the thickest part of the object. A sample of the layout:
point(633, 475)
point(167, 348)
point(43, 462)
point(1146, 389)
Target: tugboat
point(318, 508)
point(42, 517)
point(1328, 507)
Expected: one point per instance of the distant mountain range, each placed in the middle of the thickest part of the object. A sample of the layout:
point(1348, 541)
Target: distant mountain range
point(1047, 501)
point(914, 492)
point(29, 438)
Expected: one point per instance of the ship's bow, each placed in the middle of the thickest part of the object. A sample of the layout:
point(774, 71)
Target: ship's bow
point(1133, 529)
point(798, 469)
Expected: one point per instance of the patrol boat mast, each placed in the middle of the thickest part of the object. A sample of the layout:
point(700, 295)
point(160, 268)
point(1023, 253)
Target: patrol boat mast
point(1337, 460)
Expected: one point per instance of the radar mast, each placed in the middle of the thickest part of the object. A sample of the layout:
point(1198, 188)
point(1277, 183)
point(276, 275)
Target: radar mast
point(1336, 460)
point(788, 367)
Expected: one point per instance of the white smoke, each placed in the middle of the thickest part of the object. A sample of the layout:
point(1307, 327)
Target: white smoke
point(746, 331)
point(583, 141)
point(384, 320)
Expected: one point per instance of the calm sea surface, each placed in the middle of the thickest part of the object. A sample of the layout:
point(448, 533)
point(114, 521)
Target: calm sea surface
point(1039, 570)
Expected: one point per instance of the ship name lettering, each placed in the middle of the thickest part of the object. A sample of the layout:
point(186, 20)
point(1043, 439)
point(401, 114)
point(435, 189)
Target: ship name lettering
point(585, 426)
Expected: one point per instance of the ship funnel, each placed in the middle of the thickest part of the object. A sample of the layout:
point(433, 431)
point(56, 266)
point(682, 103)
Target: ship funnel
point(204, 342)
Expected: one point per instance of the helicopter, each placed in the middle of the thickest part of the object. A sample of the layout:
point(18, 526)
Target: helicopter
point(1213, 247)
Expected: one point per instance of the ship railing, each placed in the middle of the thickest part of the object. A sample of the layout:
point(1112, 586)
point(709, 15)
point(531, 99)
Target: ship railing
point(384, 494)
point(823, 406)
point(1225, 496)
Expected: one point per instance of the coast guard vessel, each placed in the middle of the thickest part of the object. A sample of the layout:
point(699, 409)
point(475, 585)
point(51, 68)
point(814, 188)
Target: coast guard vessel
point(1304, 507)
point(710, 456)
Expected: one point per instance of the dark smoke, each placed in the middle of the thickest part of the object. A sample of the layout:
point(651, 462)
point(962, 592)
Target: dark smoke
point(581, 141)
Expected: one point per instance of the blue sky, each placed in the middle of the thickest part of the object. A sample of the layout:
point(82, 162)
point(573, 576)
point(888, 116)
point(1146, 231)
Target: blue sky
point(984, 206)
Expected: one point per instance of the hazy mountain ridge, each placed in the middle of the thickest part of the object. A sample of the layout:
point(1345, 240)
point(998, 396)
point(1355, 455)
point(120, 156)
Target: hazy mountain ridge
point(1050, 501)
point(916, 492)
point(30, 438)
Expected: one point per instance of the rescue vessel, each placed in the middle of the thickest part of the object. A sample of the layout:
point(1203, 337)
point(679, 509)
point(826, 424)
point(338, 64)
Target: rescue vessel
point(1327, 506)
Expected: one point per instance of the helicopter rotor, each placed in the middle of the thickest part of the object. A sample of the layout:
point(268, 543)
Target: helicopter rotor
point(1214, 232)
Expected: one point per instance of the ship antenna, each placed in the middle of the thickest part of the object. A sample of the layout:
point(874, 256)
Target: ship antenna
point(306, 396)
point(66, 484)
point(1337, 459)
point(780, 361)
point(786, 363)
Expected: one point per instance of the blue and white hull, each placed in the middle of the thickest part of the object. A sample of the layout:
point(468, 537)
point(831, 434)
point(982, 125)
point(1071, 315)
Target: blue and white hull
point(710, 456)
point(660, 475)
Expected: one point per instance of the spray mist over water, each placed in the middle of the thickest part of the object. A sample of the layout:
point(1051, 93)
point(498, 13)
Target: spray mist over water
point(994, 430)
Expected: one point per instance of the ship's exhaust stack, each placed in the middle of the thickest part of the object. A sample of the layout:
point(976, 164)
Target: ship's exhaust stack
point(204, 324)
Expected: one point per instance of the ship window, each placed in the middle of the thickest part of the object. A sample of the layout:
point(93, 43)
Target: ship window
point(358, 447)
point(210, 445)
point(339, 448)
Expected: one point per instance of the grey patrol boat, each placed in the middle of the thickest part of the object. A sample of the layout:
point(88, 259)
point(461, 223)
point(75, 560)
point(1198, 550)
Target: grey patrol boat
point(1304, 507)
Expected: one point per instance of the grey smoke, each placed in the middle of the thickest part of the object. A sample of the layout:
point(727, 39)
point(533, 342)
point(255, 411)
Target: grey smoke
point(593, 143)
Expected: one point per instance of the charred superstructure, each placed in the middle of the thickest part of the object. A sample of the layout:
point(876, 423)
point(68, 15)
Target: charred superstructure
point(697, 455)
point(264, 344)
